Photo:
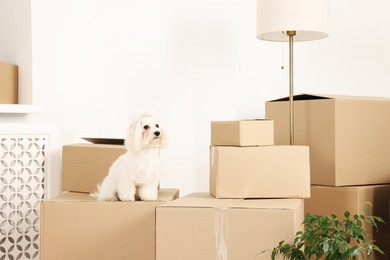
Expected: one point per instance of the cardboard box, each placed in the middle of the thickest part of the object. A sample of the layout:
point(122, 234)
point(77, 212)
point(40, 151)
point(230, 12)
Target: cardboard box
point(349, 137)
point(242, 133)
point(199, 226)
point(85, 165)
point(8, 83)
point(336, 200)
point(260, 172)
point(75, 226)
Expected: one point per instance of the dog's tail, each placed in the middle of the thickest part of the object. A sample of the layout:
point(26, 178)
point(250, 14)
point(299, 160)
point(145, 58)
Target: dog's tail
point(103, 196)
point(95, 194)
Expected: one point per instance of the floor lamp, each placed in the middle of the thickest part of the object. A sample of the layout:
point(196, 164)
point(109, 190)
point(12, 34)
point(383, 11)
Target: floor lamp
point(292, 21)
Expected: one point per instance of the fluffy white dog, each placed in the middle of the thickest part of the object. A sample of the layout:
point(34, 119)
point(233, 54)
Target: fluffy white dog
point(138, 170)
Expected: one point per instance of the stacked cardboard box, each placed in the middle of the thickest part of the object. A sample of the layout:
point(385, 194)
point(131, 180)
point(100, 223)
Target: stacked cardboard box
point(255, 168)
point(349, 140)
point(255, 201)
point(76, 226)
point(8, 83)
point(85, 165)
point(200, 226)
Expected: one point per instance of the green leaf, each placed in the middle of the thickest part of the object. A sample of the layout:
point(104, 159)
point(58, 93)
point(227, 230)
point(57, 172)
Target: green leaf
point(376, 248)
point(378, 219)
point(274, 254)
point(343, 249)
point(369, 203)
point(326, 237)
point(325, 247)
point(366, 211)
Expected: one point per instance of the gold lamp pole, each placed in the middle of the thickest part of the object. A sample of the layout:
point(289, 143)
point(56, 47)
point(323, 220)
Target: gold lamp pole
point(291, 35)
point(301, 20)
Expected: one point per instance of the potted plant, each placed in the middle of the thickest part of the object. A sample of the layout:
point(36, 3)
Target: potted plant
point(327, 237)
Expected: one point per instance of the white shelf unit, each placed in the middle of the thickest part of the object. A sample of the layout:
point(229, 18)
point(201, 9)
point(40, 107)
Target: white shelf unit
point(20, 109)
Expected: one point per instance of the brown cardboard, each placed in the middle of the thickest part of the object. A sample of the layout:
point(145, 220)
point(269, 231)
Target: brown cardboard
point(242, 133)
point(94, 140)
point(336, 200)
point(199, 226)
point(76, 226)
point(85, 165)
point(260, 172)
point(349, 137)
point(8, 83)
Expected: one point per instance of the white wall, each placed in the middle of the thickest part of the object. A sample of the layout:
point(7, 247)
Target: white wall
point(96, 63)
point(15, 43)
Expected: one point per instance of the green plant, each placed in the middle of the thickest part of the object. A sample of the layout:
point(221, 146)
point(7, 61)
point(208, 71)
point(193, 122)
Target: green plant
point(326, 237)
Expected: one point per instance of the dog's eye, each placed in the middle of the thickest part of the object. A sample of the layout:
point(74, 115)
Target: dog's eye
point(157, 126)
point(146, 127)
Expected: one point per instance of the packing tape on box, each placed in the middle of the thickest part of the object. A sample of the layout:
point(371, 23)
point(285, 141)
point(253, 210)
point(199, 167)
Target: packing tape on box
point(220, 233)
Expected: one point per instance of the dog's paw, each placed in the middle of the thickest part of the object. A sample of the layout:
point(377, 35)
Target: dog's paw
point(110, 198)
point(148, 196)
point(104, 197)
point(148, 192)
point(127, 197)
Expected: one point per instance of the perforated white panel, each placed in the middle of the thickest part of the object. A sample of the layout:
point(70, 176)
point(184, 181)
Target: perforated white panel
point(22, 180)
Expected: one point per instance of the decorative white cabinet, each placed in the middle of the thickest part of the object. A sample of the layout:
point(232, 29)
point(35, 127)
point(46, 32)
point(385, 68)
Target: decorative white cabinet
point(28, 169)
point(22, 188)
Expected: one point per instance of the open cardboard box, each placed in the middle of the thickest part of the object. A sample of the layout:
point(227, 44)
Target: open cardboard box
point(327, 200)
point(85, 165)
point(199, 226)
point(349, 137)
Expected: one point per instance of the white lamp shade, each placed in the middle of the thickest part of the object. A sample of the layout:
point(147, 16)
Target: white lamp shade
point(309, 18)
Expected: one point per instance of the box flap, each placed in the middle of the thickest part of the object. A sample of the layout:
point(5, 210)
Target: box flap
point(301, 97)
point(356, 187)
point(201, 200)
point(305, 96)
point(168, 194)
point(205, 200)
point(238, 121)
point(73, 196)
point(163, 196)
point(115, 141)
point(283, 204)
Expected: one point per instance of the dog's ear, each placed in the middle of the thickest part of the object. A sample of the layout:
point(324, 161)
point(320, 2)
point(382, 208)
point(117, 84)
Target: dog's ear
point(163, 139)
point(134, 140)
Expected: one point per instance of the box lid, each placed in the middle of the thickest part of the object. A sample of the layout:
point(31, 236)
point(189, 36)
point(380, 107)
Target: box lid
point(73, 196)
point(282, 204)
point(240, 121)
point(205, 200)
point(356, 187)
point(306, 96)
point(201, 200)
point(163, 195)
point(93, 140)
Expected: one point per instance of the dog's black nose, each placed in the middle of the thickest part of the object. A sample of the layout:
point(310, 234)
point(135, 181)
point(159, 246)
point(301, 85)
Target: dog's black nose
point(157, 133)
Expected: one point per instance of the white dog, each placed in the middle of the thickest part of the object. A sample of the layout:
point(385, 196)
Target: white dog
point(138, 170)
